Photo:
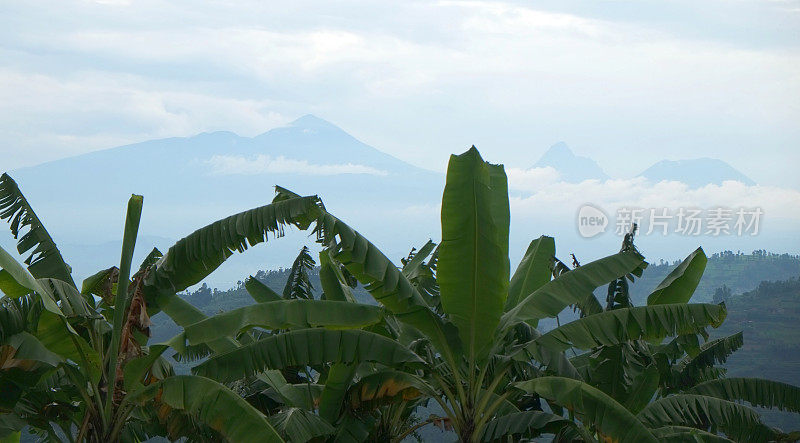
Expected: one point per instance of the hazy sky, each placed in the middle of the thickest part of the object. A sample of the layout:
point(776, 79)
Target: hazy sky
point(627, 83)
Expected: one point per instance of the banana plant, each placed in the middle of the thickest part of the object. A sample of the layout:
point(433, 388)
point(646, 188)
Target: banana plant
point(345, 397)
point(642, 390)
point(75, 362)
point(466, 321)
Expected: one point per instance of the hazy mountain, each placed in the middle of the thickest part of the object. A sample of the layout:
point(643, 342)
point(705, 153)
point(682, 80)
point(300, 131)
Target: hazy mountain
point(571, 168)
point(695, 172)
point(188, 182)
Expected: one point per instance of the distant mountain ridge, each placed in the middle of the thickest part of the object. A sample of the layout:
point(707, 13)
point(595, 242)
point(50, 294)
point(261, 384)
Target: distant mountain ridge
point(695, 172)
point(188, 182)
point(570, 167)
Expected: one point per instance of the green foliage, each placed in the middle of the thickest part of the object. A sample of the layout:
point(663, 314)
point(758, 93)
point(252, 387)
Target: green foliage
point(593, 407)
point(680, 284)
point(533, 271)
point(455, 327)
point(473, 267)
point(304, 347)
point(44, 259)
point(212, 404)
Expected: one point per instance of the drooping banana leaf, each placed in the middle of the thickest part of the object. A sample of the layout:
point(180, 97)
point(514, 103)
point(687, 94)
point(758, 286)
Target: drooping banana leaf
point(212, 404)
point(23, 278)
point(533, 271)
point(415, 261)
point(194, 257)
point(555, 361)
point(384, 386)
point(625, 372)
point(9, 287)
point(387, 284)
point(641, 322)
point(594, 407)
point(52, 328)
point(711, 353)
point(18, 315)
point(284, 314)
point(22, 350)
point(422, 275)
point(72, 302)
point(680, 284)
point(473, 267)
point(736, 421)
point(305, 347)
point(101, 284)
point(184, 315)
point(297, 425)
point(527, 424)
point(643, 388)
point(45, 259)
point(304, 396)
point(756, 391)
point(679, 434)
point(354, 429)
point(571, 287)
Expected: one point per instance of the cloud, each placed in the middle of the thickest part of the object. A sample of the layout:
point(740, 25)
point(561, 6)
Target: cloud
point(531, 179)
point(557, 200)
point(265, 164)
point(439, 75)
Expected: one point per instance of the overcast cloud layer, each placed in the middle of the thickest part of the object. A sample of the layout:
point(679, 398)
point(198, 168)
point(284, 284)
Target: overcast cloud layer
point(627, 83)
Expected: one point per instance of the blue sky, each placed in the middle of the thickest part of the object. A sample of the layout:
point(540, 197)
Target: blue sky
point(627, 83)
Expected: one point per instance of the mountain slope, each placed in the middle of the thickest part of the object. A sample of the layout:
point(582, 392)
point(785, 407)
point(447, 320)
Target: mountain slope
point(571, 168)
point(188, 182)
point(695, 172)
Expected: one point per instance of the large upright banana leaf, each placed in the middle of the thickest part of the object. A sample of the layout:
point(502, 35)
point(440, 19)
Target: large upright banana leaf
point(533, 271)
point(305, 347)
point(572, 288)
point(680, 284)
point(284, 314)
point(45, 259)
point(473, 263)
point(213, 405)
point(594, 407)
point(641, 322)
